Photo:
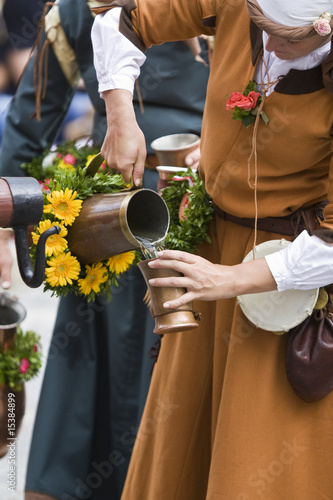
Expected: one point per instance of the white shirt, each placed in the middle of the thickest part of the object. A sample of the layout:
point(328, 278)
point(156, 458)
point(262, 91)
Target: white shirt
point(117, 61)
point(275, 68)
point(304, 264)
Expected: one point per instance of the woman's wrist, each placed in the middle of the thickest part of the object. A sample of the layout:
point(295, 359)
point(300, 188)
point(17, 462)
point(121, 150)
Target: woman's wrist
point(252, 277)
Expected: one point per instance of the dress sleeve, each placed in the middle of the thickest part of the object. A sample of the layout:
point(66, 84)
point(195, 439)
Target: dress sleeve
point(116, 59)
point(123, 30)
point(147, 22)
point(305, 264)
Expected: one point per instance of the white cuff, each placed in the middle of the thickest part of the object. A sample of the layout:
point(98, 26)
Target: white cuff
point(305, 264)
point(117, 60)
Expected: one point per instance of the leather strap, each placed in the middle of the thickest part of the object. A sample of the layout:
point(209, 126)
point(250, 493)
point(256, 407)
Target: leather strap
point(291, 225)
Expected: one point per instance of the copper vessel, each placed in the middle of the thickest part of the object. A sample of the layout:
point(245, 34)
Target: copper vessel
point(165, 173)
point(173, 149)
point(114, 223)
point(172, 320)
point(11, 314)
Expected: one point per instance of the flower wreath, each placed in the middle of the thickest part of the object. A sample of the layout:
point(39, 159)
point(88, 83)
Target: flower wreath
point(62, 174)
point(61, 170)
point(190, 210)
point(20, 360)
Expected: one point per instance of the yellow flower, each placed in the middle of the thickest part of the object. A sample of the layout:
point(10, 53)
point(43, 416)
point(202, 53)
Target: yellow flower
point(89, 158)
point(120, 263)
point(56, 243)
point(63, 269)
point(65, 166)
point(63, 205)
point(95, 275)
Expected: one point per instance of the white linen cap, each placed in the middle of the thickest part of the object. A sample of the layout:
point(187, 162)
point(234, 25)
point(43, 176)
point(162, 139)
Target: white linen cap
point(296, 13)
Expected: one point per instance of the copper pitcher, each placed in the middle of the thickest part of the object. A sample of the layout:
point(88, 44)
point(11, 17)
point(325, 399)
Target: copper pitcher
point(167, 320)
point(113, 223)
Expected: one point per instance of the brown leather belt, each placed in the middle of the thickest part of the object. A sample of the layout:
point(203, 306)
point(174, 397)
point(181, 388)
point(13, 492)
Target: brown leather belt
point(291, 225)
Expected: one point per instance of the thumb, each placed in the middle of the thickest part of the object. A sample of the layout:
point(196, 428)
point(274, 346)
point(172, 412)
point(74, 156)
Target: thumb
point(5, 280)
point(6, 272)
point(139, 168)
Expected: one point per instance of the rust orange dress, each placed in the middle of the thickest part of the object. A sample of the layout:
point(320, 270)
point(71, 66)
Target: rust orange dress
point(221, 421)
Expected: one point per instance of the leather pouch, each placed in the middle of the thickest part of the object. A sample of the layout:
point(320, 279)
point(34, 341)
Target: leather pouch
point(309, 354)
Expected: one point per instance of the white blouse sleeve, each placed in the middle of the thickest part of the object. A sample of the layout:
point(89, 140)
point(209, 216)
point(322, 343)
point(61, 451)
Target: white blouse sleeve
point(304, 264)
point(117, 60)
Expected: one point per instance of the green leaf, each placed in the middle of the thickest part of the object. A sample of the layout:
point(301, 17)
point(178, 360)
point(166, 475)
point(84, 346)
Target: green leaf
point(264, 117)
point(248, 120)
point(187, 234)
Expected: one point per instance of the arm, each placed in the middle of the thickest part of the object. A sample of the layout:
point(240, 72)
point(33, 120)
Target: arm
point(305, 264)
point(6, 260)
point(206, 281)
point(117, 58)
point(124, 145)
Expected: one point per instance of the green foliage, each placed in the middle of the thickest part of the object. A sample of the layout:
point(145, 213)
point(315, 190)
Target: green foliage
point(44, 166)
point(19, 355)
point(187, 234)
point(85, 186)
point(66, 167)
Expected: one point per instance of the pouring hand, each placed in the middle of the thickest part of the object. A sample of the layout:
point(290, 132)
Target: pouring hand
point(6, 260)
point(193, 158)
point(206, 281)
point(124, 147)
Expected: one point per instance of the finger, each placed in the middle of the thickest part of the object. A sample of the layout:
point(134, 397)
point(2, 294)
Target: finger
point(6, 272)
point(139, 168)
point(127, 173)
point(6, 284)
point(171, 282)
point(181, 301)
point(173, 265)
point(189, 258)
point(193, 158)
point(5, 279)
point(126, 170)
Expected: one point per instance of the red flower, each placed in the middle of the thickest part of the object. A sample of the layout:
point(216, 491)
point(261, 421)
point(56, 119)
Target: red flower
point(243, 102)
point(44, 186)
point(24, 365)
point(35, 347)
point(70, 159)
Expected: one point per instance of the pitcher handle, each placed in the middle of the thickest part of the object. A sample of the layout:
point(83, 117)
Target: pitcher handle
point(32, 277)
